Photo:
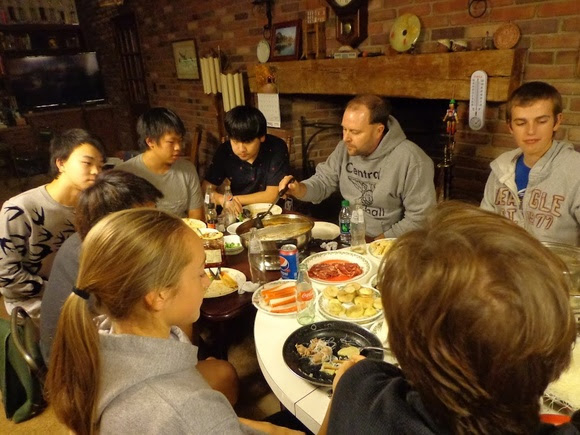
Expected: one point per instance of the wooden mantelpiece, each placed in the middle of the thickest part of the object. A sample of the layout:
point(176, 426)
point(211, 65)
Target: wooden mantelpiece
point(429, 76)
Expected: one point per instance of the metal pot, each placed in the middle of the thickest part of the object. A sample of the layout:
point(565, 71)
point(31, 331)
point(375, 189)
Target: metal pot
point(278, 229)
point(570, 255)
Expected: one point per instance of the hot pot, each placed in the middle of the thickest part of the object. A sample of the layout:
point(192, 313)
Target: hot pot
point(570, 255)
point(290, 228)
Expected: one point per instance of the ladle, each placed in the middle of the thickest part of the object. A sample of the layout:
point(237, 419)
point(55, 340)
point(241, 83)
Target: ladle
point(258, 220)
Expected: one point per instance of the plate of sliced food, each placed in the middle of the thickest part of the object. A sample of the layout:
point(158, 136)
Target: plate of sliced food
point(314, 352)
point(336, 267)
point(277, 298)
point(380, 247)
point(223, 281)
point(351, 302)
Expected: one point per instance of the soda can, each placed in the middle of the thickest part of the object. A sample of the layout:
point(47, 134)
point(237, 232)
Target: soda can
point(288, 261)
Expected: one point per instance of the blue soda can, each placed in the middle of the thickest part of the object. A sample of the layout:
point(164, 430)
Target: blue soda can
point(288, 261)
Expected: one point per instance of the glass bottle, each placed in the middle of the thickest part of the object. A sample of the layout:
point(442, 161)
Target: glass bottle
point(256, 259)
point(227, 212)
point(304, 297)
point(344, 222)
point(213, 245)
point(33, 11)
point(209, 208)
point(358, 229)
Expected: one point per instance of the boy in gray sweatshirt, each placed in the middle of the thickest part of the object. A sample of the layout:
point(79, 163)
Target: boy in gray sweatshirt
point(537, 185)
point(376, 164)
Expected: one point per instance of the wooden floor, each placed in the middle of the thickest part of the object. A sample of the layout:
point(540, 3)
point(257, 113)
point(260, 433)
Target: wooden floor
point(256, 399)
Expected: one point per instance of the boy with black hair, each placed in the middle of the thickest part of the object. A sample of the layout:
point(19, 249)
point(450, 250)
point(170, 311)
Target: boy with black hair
point(112, 191)
point(537, 185)
point(35, 223)
point(251, 159)
point(161, 134)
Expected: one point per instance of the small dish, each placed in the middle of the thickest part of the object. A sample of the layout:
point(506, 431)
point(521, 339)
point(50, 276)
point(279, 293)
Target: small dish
point(233, 244)
point(233, 227)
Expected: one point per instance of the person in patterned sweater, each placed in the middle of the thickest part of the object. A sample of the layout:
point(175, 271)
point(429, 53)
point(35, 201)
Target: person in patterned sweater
point(35, 223)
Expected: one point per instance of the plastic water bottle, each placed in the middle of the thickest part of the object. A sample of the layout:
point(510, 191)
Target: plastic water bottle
point(304, 297)
point(256, 259)
point(358, 229)
point(344, 222)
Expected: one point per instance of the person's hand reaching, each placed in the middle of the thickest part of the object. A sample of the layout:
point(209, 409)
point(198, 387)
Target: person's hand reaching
point(295, 188)
point(344, 367)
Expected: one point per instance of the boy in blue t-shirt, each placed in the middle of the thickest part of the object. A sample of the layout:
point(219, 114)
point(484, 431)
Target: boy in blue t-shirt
point(537, 185)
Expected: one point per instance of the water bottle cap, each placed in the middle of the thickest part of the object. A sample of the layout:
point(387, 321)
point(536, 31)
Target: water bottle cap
point(345, 203)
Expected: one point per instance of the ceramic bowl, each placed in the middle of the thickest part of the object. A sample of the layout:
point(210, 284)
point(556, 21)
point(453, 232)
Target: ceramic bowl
point(236, 242)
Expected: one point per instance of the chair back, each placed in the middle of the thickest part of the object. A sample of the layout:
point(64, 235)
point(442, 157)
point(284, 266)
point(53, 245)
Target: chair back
point(195, 143)
point(27, 341)
point(22, 369)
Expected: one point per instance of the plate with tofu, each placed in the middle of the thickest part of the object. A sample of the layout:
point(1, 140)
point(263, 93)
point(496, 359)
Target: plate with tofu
point(223, 282)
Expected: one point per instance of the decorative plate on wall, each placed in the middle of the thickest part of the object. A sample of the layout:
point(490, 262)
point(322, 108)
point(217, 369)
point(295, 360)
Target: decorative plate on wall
point(405, 32)
point(263, 51)
point(506, 36)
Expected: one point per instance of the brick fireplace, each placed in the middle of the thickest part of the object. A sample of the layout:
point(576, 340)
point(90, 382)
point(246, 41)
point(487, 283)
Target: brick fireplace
point(419, 88)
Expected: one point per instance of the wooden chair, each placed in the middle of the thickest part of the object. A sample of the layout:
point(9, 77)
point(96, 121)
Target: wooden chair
point(193, 155)
point(285, 134)
point(7, 163)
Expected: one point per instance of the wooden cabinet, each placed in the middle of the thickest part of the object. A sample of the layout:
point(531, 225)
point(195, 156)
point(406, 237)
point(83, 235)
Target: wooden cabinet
point(40, 39)
point(99, 120)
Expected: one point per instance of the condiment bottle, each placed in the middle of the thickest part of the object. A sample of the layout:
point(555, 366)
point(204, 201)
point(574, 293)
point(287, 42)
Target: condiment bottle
point(304, 297)
point(213, 244)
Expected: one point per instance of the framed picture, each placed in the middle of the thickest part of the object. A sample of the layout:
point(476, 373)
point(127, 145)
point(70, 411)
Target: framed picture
point(186, 62)
point(286, 40)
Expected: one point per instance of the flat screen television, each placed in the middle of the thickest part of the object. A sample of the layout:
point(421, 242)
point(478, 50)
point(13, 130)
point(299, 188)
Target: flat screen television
point(39, 82)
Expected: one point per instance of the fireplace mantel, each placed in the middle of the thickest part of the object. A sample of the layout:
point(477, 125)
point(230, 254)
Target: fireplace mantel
point(428, 76)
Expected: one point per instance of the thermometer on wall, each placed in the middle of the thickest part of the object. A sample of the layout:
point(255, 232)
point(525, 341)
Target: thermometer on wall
point(477, 99)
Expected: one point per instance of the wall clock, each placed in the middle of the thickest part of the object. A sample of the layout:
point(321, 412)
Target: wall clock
point(351, 20)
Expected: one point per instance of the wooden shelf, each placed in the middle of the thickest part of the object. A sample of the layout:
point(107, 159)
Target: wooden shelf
point(35, 27)
point(427, 76)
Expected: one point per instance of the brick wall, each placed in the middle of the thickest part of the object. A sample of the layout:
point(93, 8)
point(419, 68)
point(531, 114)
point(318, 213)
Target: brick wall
point(550, 32)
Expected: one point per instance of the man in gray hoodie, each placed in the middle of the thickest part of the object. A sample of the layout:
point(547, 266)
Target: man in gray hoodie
point(537, 185)
point(376, 164)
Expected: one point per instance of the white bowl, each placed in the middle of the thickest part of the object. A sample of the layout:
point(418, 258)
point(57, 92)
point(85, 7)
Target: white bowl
point(260, 207)
point(233, 227)
point(194, 223)
point(325, 231)
point(233, 239)
point(209, 233)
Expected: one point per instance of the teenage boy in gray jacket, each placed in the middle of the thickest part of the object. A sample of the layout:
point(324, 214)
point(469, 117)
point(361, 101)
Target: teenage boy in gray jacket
point(376, 164)
point(537, 185)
